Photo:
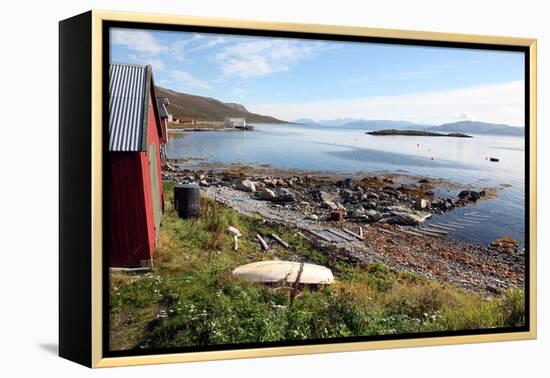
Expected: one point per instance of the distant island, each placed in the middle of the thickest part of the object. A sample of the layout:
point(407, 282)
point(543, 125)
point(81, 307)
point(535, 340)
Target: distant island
point(417, 133)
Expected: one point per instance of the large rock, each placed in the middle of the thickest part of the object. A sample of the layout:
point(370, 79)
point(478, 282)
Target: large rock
point(372, 195)
point(373, 216)
point(421, 203)
point(285, 198)
point(397, 209)
point(409, 218)
point(357, 212)
point(329, 205)
point(370, 204)
point(347, 193)
point(246, 186)
point(266, 194)
point(469, 195)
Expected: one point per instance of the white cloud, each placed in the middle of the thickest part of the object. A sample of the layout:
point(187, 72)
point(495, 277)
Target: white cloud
point(181, 50)
point(157, 64)
point(261, 57)
point(464, 116)
point(137, 40)
point(185, 80)
point(489, 103)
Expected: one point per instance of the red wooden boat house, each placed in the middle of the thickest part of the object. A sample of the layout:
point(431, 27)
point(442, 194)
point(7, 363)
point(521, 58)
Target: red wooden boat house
point(136, 137)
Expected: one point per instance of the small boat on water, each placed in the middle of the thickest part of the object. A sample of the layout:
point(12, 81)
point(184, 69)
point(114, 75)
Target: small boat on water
point(276, 271)
point(496, 160)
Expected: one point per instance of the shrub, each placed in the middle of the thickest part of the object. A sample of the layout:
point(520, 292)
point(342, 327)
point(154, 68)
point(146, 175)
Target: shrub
point(512, 306)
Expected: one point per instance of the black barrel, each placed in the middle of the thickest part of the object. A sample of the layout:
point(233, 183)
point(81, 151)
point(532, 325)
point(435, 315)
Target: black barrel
point(187, 200)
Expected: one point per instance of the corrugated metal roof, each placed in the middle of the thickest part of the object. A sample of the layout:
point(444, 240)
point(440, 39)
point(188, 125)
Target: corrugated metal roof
point(165, 100)
point(162, 108)
point(127, 87)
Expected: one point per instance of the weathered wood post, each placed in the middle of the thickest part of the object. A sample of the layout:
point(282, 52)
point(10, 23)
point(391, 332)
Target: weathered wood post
point(187, 200)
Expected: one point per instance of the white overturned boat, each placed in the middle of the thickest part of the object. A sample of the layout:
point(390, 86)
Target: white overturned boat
point(280, 271)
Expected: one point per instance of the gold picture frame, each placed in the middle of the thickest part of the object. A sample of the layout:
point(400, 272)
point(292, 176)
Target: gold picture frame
point(92, 23)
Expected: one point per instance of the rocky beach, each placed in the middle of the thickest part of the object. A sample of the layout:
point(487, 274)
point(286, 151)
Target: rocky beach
point(373, 218)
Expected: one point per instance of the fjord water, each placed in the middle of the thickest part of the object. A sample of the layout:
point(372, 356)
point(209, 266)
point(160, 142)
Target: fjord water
point(464, 161)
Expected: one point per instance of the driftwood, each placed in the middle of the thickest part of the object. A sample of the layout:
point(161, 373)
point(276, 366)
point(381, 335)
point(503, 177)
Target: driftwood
point(303, 236)
point(352, 234)
point(281, 241)
point(387, 231)
point(411, 232)
point(320, 236)
point(339, 234)
point(262, 241)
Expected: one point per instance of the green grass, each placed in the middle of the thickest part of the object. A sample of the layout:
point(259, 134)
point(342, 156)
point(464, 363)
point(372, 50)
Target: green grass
point(191, 297)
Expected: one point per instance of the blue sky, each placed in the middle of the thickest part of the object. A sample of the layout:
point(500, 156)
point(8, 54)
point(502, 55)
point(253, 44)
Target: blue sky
point(290, 78)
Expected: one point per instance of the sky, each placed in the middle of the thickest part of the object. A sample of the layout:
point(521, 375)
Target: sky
point(298, 78)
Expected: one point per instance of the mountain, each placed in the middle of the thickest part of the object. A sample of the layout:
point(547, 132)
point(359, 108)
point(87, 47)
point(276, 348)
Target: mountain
point(208, 109)
point(474, 127)
point(305, 121)
point(383, 124)
point(363, 124)
point(238, 107)
point(335, 122)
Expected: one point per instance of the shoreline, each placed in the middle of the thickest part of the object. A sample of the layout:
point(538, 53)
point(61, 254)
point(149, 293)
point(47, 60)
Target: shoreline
point(187, 129)
point(393, 227)
point(399, 176)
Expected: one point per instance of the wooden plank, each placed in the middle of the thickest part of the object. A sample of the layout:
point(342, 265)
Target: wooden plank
point(353, 234)
point(320, 236)
point(339, 234)
point(387, 231)
point(303, 236)
point(262, 241)
point(411, 232)
point(281, 241)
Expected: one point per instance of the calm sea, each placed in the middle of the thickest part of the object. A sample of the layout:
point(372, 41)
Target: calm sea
point(348, 151)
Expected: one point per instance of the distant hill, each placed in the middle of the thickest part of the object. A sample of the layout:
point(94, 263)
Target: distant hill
point(474, 127)
point(305, 121)
point(238, 107)
point(184, 105)
point(383, 124)
point(335, 122)
point(363, 124)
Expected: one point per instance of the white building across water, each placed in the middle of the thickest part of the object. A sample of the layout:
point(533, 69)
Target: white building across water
point(235, 122)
